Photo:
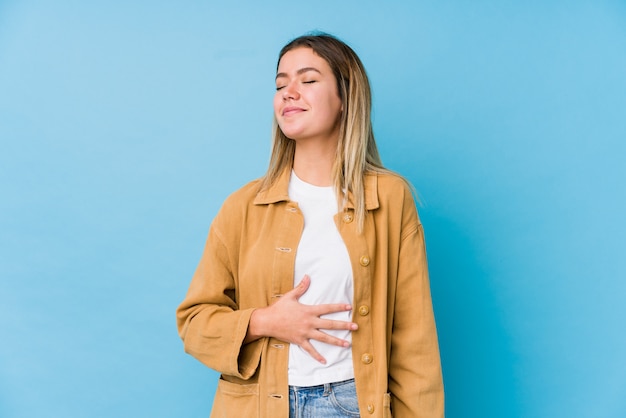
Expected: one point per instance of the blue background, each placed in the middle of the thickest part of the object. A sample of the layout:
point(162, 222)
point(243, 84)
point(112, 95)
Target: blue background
point(124, 125)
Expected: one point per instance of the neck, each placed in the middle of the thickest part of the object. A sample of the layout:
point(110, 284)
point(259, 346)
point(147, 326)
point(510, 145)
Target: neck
point(313, 163)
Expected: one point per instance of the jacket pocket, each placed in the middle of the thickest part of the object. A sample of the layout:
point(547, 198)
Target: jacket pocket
point(235, 400)
point(387, 406)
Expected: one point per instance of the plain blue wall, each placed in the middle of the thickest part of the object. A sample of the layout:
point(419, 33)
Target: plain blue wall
point(124, 125)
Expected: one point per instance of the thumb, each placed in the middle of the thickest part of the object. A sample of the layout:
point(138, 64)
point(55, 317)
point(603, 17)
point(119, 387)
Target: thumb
point(302, 287)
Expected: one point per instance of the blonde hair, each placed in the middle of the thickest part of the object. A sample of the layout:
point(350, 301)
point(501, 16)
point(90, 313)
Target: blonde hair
point(356, 153)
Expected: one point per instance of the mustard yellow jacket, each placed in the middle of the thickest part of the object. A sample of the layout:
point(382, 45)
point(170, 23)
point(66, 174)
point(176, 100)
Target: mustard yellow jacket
point(248, 262)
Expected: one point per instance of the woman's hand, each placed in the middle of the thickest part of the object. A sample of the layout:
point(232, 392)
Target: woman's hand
point(289, 320)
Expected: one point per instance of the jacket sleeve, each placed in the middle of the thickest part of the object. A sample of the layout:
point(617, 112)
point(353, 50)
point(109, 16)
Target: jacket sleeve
point(415, 377)
point(209, 321)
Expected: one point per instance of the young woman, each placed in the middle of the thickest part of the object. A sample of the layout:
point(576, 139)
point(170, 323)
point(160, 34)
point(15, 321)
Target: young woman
point(312, 296)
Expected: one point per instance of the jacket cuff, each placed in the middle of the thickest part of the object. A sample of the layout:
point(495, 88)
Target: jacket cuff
point(245, 360)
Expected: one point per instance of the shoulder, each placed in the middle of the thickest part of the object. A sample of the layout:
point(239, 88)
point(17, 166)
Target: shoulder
point(392, 188)
point(236, 206)
point(390, 183)
point(396, 198)
point(244, 195)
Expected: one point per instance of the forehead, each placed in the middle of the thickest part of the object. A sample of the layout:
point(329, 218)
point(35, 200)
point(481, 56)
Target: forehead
point(302, 57)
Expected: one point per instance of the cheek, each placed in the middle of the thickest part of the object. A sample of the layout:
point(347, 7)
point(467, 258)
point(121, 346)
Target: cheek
point(334, 108)
point(277, 104)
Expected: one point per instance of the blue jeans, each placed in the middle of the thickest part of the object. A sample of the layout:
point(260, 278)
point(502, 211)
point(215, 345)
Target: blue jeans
point(331, 400)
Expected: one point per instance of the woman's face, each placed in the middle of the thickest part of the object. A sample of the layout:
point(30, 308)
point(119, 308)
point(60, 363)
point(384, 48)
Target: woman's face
point(306, 105)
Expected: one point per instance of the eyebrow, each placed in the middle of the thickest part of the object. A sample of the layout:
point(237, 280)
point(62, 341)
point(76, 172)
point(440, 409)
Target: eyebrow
point(300, 71)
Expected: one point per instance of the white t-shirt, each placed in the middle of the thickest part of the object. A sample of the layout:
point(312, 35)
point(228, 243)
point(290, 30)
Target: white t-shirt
point(322, 255)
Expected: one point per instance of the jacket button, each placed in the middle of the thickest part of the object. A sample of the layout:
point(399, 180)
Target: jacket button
point(365, 261)
point(370, 408)
point(367, 358)
point(347, 218)
point(364, 310)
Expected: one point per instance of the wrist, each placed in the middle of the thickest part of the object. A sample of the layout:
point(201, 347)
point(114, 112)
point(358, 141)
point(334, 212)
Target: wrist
point(256, 325)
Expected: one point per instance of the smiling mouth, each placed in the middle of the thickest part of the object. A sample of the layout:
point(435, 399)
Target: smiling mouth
point(288, 111)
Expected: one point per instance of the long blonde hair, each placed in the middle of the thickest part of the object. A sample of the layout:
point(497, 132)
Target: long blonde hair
point(356, 153)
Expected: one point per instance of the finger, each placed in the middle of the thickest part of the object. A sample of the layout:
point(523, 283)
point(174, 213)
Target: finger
point(334, 324)
point(329, 339)
point(308, 347)
point(301, 288)
point(328, 308)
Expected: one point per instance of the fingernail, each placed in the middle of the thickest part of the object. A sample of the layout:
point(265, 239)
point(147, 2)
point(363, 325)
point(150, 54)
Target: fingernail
point(354, 326)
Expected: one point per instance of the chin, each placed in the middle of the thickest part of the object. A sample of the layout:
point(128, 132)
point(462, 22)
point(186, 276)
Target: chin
point(292, 137)
point(292, 133)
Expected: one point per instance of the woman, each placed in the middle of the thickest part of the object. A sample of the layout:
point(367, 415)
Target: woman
point(312, 294)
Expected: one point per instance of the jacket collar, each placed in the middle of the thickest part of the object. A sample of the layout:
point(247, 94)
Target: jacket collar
point(279, 192)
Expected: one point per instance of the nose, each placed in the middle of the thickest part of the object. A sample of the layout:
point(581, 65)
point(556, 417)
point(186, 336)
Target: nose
point(290, 91)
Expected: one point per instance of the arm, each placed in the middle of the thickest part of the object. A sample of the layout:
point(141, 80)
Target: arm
point(209, 322)
point(415, 379)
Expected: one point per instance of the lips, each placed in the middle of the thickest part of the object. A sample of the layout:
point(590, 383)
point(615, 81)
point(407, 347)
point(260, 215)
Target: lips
point(292, 110)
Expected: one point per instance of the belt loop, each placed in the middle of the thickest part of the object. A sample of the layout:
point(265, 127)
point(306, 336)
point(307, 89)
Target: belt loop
point(327, 389)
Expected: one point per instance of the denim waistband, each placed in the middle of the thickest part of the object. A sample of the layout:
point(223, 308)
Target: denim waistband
point(324, 386)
